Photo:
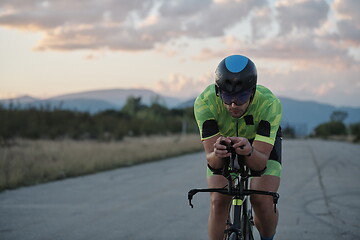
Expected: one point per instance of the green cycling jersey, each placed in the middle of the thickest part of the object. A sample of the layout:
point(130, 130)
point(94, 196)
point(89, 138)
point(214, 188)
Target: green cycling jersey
point(260, 122)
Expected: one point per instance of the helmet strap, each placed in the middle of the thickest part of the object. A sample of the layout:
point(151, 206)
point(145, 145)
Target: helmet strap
point(217, 90)
point(252, 96)
point(251, 99)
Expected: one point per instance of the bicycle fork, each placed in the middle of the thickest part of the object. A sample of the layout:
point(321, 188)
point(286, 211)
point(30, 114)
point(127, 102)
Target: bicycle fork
point(234, 225)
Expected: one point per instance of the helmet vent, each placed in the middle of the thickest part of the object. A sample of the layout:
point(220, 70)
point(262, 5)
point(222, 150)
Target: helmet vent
point(236, 73)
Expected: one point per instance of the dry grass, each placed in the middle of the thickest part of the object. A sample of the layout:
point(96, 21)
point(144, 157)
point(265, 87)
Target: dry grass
point(31, 162)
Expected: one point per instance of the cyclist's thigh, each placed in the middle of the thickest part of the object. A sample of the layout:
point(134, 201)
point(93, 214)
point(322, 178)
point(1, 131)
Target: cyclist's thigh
point(218, 181)
point(265, 183)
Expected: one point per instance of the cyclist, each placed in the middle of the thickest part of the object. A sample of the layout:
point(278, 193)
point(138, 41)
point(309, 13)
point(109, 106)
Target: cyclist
point(239, 112)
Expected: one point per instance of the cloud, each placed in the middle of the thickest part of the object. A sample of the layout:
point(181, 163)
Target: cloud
point(304, 36)
point(340, 88)
point(122, 25)
point(183, 8)
point(143, 25)
point(49, 15)
point(309, 61)
point(261, 22)
point(301, 14)
point(293, 69)
point(348, 24)
point(181, 86)
point(300, 51)
point(309, 46)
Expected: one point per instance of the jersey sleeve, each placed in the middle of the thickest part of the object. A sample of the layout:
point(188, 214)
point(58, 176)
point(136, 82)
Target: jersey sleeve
point(269, 123)
point(205, 119)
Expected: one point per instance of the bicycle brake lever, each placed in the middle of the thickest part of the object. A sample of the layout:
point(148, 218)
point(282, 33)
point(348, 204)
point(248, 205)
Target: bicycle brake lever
point(192, 206)
point(191, 193)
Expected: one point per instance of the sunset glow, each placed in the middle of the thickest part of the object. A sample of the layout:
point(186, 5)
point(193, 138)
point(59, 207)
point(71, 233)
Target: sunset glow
point(303, 49)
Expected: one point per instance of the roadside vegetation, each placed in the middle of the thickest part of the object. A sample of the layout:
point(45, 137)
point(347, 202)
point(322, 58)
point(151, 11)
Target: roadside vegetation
point(29, 162)
point(134, 119)
point(46, 144)
point(40, 145)
point(336, 129)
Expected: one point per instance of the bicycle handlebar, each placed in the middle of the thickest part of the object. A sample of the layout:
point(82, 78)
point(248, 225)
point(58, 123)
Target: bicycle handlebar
point(234, 192)
point(229, 167)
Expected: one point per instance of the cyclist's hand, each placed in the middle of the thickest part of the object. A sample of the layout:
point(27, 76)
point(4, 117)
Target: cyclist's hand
point(242, 145)
point(220, 147)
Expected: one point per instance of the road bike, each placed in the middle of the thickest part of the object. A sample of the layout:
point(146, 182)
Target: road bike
point(240, 221)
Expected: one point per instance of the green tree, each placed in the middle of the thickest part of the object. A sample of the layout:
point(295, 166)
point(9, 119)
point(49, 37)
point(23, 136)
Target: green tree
point(335, 127)
point(338, 116)
point(330, 129)
point(134, 119)
point(355, 130)
point(132, 105)
point(288, 131)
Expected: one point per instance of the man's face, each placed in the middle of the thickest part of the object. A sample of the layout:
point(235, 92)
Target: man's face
point(237, 111)
point(236, 103)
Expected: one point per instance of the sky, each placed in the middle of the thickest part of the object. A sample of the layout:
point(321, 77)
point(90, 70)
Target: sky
point(305, 50)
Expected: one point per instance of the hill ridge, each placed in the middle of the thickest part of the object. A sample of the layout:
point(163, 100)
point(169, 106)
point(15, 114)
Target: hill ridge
point(305, 115)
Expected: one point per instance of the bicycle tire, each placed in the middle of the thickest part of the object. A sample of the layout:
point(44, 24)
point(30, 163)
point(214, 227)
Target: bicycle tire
point(233, 236)
point(250, 225)
point(247, 227)
point(247, 224)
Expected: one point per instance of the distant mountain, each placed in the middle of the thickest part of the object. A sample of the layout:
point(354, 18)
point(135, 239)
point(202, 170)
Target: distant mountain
point(92, 101)
point(19, 100)
point(118, 97)
point(186, 104)
point(81, 105)
point(304, 116)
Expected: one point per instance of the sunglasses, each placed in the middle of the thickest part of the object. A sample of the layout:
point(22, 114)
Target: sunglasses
point(237, 98)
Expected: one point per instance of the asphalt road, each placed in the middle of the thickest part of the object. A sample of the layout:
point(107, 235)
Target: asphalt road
point(320, 196)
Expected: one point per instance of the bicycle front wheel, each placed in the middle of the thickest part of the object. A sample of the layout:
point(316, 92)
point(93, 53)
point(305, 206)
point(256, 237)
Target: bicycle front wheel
point(247, 223)
point(234, 236)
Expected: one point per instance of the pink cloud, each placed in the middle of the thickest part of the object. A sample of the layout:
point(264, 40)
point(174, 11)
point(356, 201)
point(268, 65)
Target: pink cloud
point(181, 86)
point(122, 25)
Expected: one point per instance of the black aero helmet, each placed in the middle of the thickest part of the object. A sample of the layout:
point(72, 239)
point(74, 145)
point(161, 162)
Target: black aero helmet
point(236, 74)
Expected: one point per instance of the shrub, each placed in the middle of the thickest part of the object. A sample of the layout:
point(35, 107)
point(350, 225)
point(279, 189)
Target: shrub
point(330, 128)
point(355, 131)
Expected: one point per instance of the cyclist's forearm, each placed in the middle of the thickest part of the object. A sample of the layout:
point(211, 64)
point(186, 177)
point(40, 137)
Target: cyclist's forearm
point(257, 161)
point(215, 151)
point(214, 161)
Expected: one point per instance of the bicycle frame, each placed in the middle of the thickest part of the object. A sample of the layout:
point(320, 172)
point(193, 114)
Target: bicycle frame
point(239, 189)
